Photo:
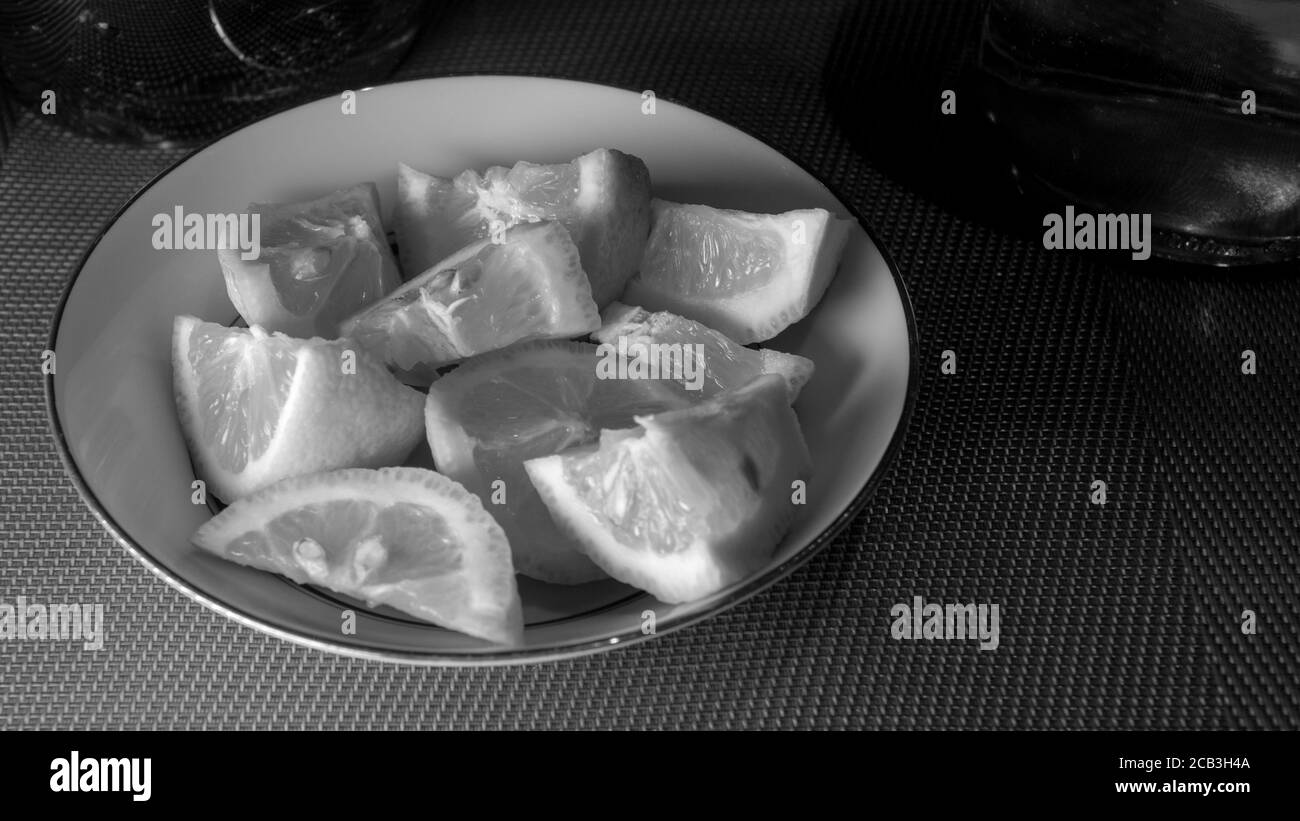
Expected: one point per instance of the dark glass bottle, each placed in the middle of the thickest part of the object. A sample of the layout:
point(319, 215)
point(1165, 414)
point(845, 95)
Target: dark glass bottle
point(1185, 109)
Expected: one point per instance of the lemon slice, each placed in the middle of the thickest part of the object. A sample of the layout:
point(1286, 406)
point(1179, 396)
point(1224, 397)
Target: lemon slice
point(488, 295)
point(257, 407)
point(749, 276)
point(320, 261)
point(690, 501)
point(404, 537)
point(494, 412)
point(602, 198)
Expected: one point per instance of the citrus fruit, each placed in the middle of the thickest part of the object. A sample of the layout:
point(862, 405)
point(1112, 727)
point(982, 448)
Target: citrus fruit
point(435, 218)
point(691, 501)
point(256, 407)
point(487, 296)
point(320, 261)
point(749, 276)
point(602, 198)
point(490, 414)
point(404, 537)
point(719, 363)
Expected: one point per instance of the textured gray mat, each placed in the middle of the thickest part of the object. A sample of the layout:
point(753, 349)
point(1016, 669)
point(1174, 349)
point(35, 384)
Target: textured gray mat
point(1122, 616)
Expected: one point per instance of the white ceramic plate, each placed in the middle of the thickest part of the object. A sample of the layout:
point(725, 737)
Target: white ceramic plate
point(111, 399)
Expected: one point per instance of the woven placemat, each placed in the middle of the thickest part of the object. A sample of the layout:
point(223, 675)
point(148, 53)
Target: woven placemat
point(1123, 615)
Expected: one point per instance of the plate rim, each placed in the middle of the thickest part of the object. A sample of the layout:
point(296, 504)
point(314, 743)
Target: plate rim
point(502, 657)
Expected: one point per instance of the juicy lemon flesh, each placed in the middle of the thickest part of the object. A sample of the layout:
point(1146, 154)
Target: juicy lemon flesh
point(722, 363)
point(524, 193)
point(541, 191)
point(519, 404)
point(505, 292)
point(524, 414)
point(243, 384)
point(696, 253)
point(407, 538)
point(545, 401)
point(307, 253)
point(655, 497)
point(508, 302)
point(680, 479)
point(356, 543)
